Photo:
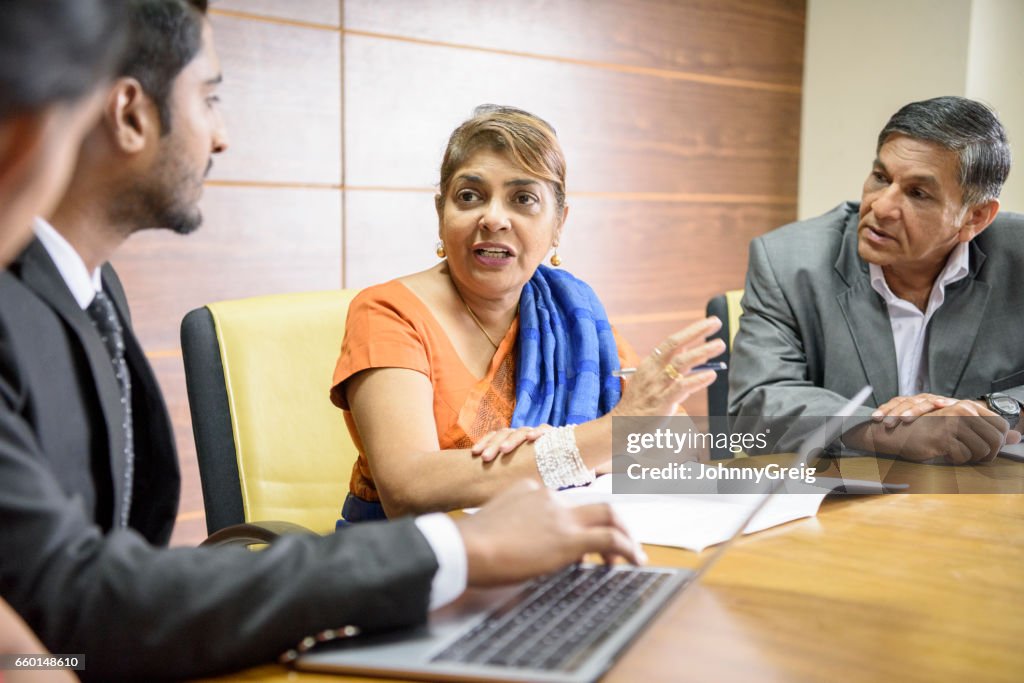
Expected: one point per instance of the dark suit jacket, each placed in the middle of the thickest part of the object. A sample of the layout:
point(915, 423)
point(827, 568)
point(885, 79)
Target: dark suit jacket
point(134, 610)
point(63, 363)
point(813, 330)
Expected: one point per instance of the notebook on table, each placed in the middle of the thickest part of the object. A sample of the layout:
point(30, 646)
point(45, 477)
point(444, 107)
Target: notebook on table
point(569, 627)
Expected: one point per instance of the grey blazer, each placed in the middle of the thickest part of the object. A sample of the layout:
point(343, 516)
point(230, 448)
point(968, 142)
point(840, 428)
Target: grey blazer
point(813, 331)
point(134, 609)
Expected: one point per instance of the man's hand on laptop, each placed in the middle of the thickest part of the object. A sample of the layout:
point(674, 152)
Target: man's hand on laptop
point(525, 532)
point(967, 433)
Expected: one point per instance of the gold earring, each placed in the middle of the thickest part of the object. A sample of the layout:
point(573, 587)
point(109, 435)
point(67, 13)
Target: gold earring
point(556, 260)
point(440, 250)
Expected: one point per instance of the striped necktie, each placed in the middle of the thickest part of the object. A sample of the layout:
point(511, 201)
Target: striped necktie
point(104, 317)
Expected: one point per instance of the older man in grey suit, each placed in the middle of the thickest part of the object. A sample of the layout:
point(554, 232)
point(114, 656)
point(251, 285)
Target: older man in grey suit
point(915, 291)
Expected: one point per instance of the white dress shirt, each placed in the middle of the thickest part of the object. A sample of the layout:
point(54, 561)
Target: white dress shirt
point(80, 281)
point(910, 325)
point(446, 542)
point(440, 531)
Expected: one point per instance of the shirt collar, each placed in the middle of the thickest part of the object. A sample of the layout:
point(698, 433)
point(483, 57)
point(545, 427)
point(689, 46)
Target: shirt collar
point(76, 276)
point(957, 267)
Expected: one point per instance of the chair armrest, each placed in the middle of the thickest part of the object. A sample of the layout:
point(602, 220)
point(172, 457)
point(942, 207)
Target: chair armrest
point(254, 533)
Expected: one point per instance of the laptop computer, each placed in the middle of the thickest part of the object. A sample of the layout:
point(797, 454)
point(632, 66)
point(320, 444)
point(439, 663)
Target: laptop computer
point(568, 627)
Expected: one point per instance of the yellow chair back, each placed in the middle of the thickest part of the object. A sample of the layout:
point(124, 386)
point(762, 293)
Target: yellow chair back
point(293, 451)
point(732, 303)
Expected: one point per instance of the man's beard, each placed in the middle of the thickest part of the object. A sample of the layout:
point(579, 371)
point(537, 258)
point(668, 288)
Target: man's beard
point(164, 200)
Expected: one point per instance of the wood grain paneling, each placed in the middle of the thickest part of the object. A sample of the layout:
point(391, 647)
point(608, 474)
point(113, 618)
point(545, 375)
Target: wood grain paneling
point(281, 101)
point(620, 132)
point(388, 234)
point(252, 242)
point(326, 12)
point(738, 39)
point(649, 258)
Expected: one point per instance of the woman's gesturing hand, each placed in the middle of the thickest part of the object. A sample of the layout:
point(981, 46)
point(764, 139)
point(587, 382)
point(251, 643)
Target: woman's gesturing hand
point(663, 380)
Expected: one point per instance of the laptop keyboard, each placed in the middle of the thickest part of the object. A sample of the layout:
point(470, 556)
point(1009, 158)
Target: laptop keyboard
point(553, 623)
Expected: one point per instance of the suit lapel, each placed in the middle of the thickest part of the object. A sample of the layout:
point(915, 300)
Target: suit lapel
point(955, 326)
point(112, 286)
point(867, 319)
point(40, 274)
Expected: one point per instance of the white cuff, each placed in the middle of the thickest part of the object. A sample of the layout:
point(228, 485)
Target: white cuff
point(445, 540)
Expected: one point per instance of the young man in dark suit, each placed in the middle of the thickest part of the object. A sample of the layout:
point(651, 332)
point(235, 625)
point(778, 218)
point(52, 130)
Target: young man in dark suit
point(88, 474)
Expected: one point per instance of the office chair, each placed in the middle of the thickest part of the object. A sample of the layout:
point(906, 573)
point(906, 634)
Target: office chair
point(274, 453)
point(727, 308)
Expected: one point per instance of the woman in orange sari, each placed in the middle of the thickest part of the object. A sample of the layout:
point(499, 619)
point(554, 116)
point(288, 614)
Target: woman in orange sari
point(490, 367)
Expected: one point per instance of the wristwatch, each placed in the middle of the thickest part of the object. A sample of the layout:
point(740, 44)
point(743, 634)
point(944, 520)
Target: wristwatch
point(1004, 405)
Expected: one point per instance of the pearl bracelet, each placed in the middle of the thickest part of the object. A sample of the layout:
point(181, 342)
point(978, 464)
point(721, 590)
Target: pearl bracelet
point(559, 461)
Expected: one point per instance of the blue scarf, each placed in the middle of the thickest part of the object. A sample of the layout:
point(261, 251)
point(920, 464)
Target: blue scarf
point(567, 353)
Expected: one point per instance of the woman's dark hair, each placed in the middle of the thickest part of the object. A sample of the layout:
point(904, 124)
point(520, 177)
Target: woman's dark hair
point(164, 36)
point(57, 50)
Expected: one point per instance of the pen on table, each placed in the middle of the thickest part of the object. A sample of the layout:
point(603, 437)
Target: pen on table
point(717, 366)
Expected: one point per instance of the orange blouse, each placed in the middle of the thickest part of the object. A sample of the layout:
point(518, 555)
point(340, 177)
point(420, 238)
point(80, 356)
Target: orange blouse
point(389, 326)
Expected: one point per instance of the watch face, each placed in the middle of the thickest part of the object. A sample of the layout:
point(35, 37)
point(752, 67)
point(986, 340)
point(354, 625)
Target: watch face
point(1005, 405)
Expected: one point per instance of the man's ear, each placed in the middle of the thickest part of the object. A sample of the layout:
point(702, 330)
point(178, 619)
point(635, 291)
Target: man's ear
point(978, 217)
point(131, 116)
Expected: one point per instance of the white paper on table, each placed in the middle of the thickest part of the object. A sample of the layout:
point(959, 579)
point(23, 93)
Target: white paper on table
point(694, 521)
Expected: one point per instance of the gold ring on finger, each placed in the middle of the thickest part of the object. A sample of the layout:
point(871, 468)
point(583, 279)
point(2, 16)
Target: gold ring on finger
point(671, 371)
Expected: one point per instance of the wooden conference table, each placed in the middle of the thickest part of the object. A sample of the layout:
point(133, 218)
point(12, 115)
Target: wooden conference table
point(908, 587)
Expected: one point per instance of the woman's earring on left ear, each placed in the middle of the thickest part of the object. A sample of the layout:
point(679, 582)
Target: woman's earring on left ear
point(440, 250)
point(556, 260)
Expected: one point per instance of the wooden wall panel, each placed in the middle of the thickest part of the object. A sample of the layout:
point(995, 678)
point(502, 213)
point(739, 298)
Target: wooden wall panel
point(388, 234)
point(253, 242)
point(281, 100)
point(324, 12)
point(737, 39)
point(651, 259)
point(620, 132)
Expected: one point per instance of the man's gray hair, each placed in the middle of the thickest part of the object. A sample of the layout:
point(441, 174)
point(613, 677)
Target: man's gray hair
point(968, 128)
